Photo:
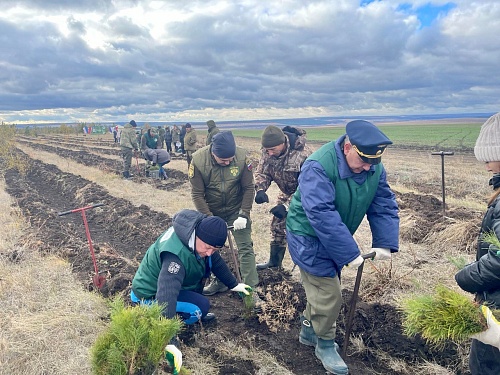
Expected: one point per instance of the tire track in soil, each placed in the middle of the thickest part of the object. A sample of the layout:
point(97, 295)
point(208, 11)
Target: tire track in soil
point(121, 234)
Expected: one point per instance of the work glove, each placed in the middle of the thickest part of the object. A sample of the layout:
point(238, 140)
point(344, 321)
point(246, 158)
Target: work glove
point(381, 254)
point(279, 211)
point(491, 336)
point(174, 358)
point(356, 262)
point(154, 164)
point(240, 223)
point(242, 288)
point(261, 197)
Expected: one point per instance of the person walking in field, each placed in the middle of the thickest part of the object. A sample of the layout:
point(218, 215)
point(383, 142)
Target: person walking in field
point(161, 135)
point(283, 153)
point(222, 185)
point(190, 143)
point(212, 130)
point(168, 138)
point(339, 184)
point(175, 266)
point(482, 277)
point(176, 138)
point(128, 143)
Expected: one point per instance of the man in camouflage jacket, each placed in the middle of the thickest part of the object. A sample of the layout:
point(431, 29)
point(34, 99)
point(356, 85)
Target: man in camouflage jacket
point(283, 153)
point(128, 143)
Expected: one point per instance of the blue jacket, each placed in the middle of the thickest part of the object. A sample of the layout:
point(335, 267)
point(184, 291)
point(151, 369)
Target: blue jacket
point(333, 246)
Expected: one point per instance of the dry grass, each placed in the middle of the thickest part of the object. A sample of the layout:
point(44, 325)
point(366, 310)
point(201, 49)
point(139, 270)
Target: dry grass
point(48, 321)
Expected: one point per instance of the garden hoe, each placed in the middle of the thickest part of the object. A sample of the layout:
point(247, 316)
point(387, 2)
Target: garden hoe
point(352, 304)
point(98, 280)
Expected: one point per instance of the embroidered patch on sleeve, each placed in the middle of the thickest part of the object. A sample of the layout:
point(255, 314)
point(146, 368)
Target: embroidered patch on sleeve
point(174, 268)
point(249, 164)
point(191, 171)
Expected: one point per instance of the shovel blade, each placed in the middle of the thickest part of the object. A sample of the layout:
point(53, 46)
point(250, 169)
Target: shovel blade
point(99, 280)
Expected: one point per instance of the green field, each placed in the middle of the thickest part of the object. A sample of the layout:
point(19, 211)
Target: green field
point(454, 137)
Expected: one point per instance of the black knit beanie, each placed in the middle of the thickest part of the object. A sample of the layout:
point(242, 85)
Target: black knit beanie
point(223, 145)
point(272, 136)
point(132, 122)
point(212, 230)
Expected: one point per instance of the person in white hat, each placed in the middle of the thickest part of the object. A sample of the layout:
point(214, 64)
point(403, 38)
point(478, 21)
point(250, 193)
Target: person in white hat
point(483, 276)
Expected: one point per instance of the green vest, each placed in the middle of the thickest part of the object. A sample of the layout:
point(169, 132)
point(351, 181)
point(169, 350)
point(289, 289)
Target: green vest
point(145, 280)
point(223, 190)
point(351, 200)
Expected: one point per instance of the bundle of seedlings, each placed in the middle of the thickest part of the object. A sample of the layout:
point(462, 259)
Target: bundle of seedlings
point(445, 315)
point(134, 342)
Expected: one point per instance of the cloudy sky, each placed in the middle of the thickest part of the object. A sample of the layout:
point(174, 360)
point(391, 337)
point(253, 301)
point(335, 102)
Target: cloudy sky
point(182, 60)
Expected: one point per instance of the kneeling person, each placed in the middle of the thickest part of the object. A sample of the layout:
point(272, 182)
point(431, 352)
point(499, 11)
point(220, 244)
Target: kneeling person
point(174, 267)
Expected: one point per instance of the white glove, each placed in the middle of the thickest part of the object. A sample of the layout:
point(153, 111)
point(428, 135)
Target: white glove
point(381, 254)
point(240, 223)
point(356, 262)
point(174, 358)
point(242, 288)
point(492, 335)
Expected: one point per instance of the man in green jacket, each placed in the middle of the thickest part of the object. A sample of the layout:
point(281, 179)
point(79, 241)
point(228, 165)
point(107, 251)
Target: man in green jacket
point(174, 269)
point(212, 130)
point(222, 184)
point(190, 142)
point(128, 143)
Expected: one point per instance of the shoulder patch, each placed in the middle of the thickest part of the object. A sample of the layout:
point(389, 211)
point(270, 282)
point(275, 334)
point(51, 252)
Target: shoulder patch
point(191, 170)
point(174, 268)
point(248, 164)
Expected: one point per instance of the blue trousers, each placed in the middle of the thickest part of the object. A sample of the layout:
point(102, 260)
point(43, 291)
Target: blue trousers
point(191, 306)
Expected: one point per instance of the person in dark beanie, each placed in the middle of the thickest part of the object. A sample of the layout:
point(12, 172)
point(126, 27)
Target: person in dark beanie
point(190, 142)
point(339, 184)
point(212, 130)
point(222, 185)
point(482, 277)
point(174, 269)
point(128, 143)
point(283, 153)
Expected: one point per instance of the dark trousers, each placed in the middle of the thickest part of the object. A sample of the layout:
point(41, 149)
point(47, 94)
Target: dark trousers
point(169, 146)
point(484, 359)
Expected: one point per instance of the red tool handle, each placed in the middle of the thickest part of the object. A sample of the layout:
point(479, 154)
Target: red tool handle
point(80, 209)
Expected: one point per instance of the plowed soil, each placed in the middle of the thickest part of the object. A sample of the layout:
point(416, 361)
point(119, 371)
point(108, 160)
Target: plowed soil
point(122, 232)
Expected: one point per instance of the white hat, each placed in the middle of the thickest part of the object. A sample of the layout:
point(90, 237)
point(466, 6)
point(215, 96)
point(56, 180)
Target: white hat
point(487, 146)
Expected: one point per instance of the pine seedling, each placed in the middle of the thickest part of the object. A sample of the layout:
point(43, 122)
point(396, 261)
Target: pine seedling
point(491, 238)
point(135, 340)
point(446, 315)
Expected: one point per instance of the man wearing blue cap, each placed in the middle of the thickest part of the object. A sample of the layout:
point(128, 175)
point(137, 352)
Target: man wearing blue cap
point(339, 184)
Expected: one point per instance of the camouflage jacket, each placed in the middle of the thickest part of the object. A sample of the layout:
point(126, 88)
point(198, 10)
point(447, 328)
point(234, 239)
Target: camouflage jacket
point(190, 141)
point(128, 138)
point(283, 170)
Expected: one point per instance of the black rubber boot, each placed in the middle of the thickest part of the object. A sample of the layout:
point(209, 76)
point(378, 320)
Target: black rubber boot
point(275, 258)
point(126, 174)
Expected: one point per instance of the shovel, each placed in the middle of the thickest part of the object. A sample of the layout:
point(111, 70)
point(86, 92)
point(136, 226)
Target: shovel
point(98, 280)
point(352, 304)
point(233, 253)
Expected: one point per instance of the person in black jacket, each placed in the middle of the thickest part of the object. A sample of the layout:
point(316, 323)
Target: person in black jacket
point(482, 277)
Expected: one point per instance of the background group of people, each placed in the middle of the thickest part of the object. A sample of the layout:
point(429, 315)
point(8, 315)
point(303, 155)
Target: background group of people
point(324, 196)
point(150, 142)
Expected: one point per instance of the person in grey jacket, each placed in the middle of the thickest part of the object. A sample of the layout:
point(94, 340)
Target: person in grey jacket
point(482, 277)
